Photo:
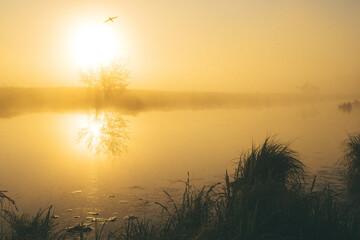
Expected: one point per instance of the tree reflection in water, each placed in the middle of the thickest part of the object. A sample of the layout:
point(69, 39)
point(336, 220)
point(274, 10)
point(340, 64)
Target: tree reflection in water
point(105, 133)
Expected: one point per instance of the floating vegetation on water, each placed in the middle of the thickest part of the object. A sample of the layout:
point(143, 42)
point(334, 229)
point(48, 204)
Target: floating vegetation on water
point(96, 219)
point(112, 219)
point(93, 213)
point(79, 228)
point(93, 219)
point(130, 217)
point(77, 191)
point(136, 187)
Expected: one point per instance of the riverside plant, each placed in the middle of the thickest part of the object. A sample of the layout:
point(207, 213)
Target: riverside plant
point(267, 197)
point(38, 227)
point(351, 160)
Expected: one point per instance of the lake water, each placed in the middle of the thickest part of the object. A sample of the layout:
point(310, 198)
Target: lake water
point(73, 160)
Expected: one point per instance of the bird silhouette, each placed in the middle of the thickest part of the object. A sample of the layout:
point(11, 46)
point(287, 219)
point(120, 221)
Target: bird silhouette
point(110, 19)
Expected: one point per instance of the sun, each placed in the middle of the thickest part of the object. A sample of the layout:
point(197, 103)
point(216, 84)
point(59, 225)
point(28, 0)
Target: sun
point(94, 44)
point(92, 131)
point(95, 129)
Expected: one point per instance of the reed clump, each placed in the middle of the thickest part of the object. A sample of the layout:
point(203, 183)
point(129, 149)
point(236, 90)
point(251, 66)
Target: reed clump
point(23, 226)
point(266, 197)
point(351, 160)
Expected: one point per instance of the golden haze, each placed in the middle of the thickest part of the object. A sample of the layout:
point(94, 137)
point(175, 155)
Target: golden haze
point(237, 46)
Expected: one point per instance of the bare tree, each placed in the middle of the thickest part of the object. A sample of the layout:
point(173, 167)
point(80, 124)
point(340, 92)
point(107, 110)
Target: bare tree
point(111, 78)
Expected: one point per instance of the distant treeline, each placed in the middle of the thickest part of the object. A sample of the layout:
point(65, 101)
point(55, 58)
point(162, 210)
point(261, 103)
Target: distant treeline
point(15, 101)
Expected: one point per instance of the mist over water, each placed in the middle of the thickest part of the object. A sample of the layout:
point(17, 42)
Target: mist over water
point(115, 110)
point(17, 101)
point(73, 149)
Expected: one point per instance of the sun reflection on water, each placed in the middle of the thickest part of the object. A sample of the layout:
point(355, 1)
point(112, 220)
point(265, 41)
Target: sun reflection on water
point(105, 133)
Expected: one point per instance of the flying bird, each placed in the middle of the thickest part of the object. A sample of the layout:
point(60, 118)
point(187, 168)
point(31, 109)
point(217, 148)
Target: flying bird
point(110, 19)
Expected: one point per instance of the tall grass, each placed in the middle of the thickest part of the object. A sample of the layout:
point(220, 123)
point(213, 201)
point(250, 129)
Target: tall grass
point(266, 197)
point(5, 204)
point(135, 229)
point(196, 211)
point(38, 227)
point(4, 199)
point(189, 218)
point(271, 161)
point(351, 160)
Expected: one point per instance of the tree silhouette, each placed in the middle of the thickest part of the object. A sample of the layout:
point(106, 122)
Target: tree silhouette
point(111, 78)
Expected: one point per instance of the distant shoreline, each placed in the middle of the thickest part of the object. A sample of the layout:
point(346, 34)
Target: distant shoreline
point(16, 101)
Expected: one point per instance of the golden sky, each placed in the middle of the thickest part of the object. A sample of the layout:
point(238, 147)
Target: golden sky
point(197, 45)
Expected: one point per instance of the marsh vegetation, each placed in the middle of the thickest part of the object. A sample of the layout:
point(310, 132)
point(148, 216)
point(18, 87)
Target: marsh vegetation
point(266, 197)
point(351, 160)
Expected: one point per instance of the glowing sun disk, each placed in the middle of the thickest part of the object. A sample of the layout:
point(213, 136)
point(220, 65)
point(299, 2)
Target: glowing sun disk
point(95, 44)
point(95, 129)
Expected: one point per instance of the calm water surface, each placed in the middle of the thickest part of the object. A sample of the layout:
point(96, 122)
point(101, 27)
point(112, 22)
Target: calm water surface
point(73, 160)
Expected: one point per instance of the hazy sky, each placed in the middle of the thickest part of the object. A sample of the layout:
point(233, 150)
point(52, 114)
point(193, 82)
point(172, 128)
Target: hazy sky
point(199, 45)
